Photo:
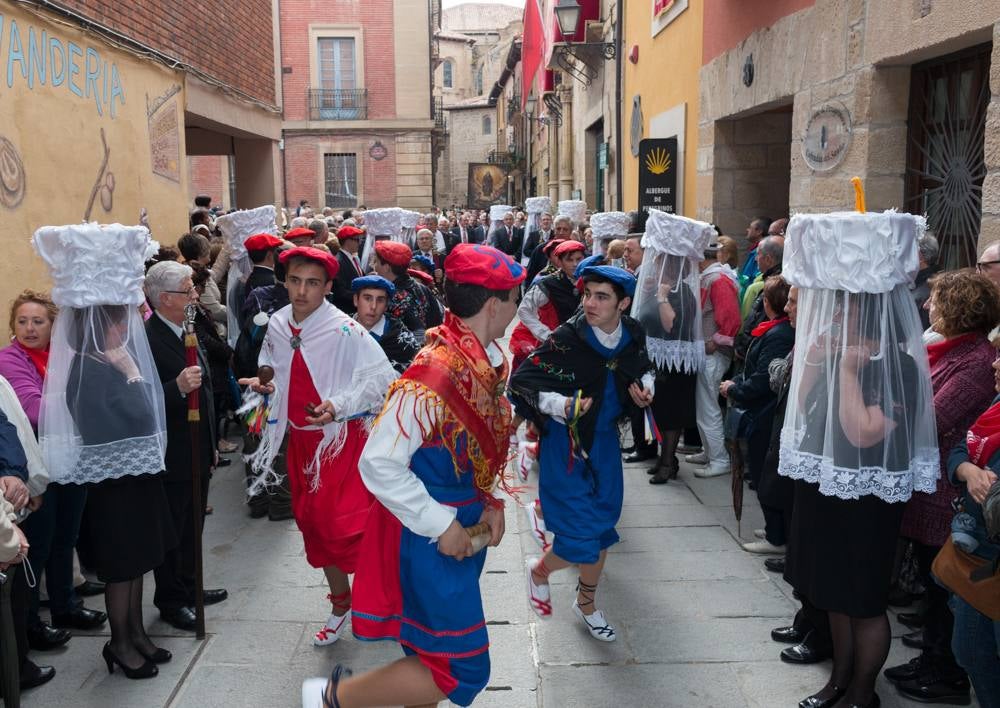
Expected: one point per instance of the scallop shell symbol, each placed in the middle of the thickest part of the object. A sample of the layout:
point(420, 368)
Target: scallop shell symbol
point(12, 179)
point(658, 161)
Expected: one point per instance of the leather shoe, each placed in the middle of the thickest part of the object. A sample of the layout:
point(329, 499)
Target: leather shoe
point(788, 635)
point(33, 675)
point(806, 652)
point(214, 597)
point(280, 514)
point(179, 618)
point(80, 618)
point(628, 450)
point(933, 688)
point(906, 672)
point(89, 588)
point(258, 511)
point(775, 565)
point(915, 640)
point(815, 701)
point(913, 620)
point(641, 456)
point(42, 637)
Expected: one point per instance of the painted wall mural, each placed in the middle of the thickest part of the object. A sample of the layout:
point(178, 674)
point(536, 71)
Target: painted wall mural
point(165, 134)
point(12, 180)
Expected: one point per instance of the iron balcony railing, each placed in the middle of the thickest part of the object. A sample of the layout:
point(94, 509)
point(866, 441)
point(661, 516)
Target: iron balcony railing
point(338, 104)
point(439, 117)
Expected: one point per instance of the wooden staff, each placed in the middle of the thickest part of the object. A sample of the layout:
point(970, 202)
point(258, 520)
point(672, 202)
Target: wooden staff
point(194, 421)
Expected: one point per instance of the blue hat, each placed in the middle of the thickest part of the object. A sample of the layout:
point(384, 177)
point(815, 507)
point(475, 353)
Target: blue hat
point(616, 275)
point(424, 260)
point(594, 260)
point(372, 281)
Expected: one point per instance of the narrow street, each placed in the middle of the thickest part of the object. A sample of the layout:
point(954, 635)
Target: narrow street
point(692, 610)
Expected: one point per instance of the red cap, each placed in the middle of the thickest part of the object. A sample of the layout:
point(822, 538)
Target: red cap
point(262, 242)
point(349, 232)
point(299, 233)
point(478, 264)
point(394, 253)
point(550, 244)
point(324, 258)
point(568, 247)
point(420, 275)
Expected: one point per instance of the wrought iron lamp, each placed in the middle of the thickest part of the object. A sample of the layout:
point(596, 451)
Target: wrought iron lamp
point(569, 55)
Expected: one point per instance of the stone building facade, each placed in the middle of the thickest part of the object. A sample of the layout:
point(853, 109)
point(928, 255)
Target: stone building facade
point(799, 97)
point(358, 112)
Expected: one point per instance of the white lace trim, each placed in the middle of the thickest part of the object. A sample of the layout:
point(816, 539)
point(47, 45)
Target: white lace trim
point(70, 462)
point(676, 355)
point(891, 487)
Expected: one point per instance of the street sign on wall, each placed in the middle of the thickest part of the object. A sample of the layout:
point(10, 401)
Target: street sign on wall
point(658, 174)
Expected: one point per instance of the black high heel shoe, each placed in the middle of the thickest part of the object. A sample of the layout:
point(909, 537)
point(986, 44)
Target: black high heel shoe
point(160, 656)
point(147, 670)
point(817, 701)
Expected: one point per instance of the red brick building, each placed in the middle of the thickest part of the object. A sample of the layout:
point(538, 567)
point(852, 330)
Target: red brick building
point(359, 118)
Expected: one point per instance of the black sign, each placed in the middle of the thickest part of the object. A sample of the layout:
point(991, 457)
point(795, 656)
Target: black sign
point(658, 174)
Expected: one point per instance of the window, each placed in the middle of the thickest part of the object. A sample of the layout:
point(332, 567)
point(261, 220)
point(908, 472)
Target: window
point(479, 81)
point(487, 125)
point(340, 171)
point(446, 69)
point(338, 95)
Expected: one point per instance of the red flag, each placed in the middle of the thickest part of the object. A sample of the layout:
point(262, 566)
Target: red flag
point(532, 48)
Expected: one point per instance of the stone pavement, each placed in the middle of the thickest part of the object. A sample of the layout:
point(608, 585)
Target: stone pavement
point(693, 614)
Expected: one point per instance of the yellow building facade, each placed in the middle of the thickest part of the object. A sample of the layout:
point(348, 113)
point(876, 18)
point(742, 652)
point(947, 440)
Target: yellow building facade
point(662, 48)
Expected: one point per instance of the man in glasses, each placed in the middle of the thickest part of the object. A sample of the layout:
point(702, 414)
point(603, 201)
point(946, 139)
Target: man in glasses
point(989, 263)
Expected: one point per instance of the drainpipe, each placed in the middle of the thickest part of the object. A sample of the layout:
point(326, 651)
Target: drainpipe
point(619, 148)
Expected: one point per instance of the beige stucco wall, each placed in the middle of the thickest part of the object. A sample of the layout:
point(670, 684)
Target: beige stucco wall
point(411, 33)
point(52, 151)
point(859, 53)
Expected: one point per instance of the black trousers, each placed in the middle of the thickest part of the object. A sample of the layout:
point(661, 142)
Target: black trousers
point(638, 420)
point(939, 623)
point(175, 581)
point(10, 659)
point(20, 598)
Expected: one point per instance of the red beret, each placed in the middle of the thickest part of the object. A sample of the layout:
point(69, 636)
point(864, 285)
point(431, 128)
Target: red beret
point(349, 232)
point(394, 253)
point(552, 243)
point(478, 264)
point(324, 258)
point(299, 233)
point(568, 247)
point(262, 242)
point(420, 275)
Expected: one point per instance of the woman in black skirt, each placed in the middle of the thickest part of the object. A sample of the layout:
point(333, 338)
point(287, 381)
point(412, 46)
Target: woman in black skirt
point(858, 438)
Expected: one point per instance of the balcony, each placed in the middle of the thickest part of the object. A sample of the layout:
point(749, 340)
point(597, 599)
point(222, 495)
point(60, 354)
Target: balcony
point(439, 117)
point(338, 104)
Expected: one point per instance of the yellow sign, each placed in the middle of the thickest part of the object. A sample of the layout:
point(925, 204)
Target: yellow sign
point(658, 161)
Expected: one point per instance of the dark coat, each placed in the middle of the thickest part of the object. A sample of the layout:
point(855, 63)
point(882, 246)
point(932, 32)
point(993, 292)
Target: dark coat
point(476, 234)
point(752, 388)
point(341, 295)
point(509, 243)
point(168, 354)
point(535, 238)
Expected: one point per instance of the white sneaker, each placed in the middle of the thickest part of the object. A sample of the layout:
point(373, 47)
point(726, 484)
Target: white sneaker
point(539, 596)
point(759, 533)
point(537, 525)
point(332, 631)
point(711, 472)
point(597, 625)
point(697, 459)
point(765, 548)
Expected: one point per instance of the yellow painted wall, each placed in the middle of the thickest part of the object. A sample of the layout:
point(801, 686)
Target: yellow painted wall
point(665, 76)
point(59, 88)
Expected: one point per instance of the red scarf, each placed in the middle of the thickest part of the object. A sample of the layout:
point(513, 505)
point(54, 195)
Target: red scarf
point(939, 349)
point(453, 366)
point(983, 438)
point(39, 357)
point(764, 326)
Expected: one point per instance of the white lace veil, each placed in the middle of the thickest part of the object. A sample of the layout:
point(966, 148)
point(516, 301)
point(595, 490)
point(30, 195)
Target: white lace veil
point(102, 414)
point(236, 228)
point(860, 416)
point(408, 233)
point(673, 247)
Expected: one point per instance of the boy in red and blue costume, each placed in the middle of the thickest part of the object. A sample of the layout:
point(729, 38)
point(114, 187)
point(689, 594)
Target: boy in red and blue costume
point(433, 461)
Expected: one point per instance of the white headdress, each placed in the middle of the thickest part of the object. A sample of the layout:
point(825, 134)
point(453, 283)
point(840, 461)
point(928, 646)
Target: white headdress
point(380, 224)
point(236, 228)
point(574, 209)
point(534, 207)
point(607, 225)
point(102, 414)
point(668, 295)
point(408, 227)
point(858, 339)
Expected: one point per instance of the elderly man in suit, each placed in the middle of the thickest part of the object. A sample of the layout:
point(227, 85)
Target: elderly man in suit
point(169, 290)
point(466, 232)
point(506, 237)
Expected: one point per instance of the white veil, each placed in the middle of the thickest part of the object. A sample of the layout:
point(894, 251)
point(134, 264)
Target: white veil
point(102, 414)
point(860, 417)
point(673, 246)
point(380, 224)
point(236, 228)
point(408, 232)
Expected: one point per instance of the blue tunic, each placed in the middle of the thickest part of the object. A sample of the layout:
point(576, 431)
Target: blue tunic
point(581, 502)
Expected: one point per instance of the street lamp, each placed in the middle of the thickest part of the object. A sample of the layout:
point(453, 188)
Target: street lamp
point(569, 55)
point(568, 17)
point(529, 105)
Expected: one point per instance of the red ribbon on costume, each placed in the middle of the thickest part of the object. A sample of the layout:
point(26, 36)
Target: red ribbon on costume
point(764, 326)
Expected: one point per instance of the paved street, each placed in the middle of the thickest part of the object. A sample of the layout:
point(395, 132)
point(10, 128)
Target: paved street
point(693, 614)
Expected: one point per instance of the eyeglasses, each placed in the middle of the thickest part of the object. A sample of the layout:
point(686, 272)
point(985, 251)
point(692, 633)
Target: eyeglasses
point(190, 291)
point(981, 264)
